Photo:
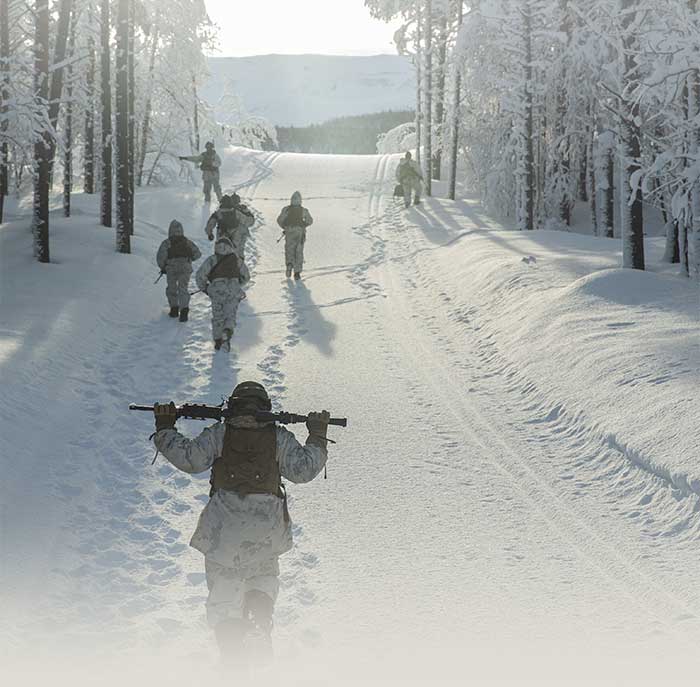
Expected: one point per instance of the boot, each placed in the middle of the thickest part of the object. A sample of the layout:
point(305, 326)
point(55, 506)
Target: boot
point(174, 311)
point(184, 312)
point(228, 334)
point(217, 344)
point(297, 276)
point(230, 636)
point(416, 201)
point(289, 271)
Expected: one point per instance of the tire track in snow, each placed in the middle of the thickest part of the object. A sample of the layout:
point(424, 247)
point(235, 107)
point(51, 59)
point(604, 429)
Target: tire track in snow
point(445, 379)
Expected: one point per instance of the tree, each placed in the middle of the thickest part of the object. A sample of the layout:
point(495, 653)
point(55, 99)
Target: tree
point(124, 229)
point(4, 101)
point(106, 101)
point(42, 144)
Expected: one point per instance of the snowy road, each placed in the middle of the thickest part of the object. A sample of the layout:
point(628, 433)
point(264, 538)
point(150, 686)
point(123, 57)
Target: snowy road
point(467, 517)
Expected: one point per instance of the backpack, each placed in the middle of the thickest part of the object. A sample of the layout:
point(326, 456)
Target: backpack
point(398, 191)
point(295, 217)
point(179, 248)
point(226, 268)
point(226, 222)
point(208, 158)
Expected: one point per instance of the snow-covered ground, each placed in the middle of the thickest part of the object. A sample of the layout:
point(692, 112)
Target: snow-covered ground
point(516, 497)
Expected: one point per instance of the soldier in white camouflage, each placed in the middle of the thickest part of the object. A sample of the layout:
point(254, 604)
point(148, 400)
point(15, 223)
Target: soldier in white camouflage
point(210, 164)
point(175, 257)
point(246, 526)
point(294, 219)
point(232, 220)
point(409, 175)
point(221, 277)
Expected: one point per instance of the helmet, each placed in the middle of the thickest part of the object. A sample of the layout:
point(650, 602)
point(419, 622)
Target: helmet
point(236, 199)
point(209, 145)
point(408, 155)
point(226, 202)
point(223, 246)
point(248, 396)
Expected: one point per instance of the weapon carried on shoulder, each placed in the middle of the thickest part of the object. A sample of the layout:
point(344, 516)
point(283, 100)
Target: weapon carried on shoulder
point(193, 411)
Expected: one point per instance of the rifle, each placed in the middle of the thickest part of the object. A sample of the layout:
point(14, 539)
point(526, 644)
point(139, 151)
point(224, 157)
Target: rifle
point(160, 276)
point(193, 411)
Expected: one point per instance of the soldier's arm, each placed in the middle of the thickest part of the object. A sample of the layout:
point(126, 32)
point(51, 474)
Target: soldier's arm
point(211, 225)
point(217, 161)
point(192, 158)
point(191, 455)
point(299, 462)
point(245, 272)
point(308, 219)
point(202, 276)
point(282, 218)
point(196, 253)
point(246, 219)
point(162, 256)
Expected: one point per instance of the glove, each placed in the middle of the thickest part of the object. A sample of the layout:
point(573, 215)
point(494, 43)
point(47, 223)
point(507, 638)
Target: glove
point(317, 424)
point(165, 414)
point(210, 237)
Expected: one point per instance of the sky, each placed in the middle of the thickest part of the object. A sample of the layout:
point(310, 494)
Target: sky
point(329, 27)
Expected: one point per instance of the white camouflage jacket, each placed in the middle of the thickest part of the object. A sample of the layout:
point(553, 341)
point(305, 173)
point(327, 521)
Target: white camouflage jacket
point(240, 532)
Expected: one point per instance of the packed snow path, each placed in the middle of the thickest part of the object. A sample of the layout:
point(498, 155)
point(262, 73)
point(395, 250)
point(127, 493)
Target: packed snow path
point(464, 509)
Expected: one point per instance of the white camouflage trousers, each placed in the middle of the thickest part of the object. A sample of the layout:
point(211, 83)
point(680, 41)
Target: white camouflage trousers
point(178, 274)
point(209, 180)
point(294, 239)
point(414, 186)
point(228, 587)
point(225, 296)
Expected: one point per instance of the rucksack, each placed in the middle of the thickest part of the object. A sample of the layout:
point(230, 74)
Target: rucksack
point(226, 221)
point(226, 268)
point(179, 248)
point(398, 191)
point(208, 158)
point(295, 217)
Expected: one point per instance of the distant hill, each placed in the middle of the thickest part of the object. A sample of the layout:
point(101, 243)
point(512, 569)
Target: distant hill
point(299, 90)
point(355, 135)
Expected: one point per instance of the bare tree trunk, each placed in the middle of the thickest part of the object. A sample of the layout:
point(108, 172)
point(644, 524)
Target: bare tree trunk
point(564, 145)
point(440, 104)
point(59, 58)
point(195, 100)
point(106, 204)
point(4, 99)
point(68, 153)
point(42, 145)
point(452, 192)
point(89, 152)
point(528, 161)
point(428, 96)
point(693, 241)
point(131, 113)
point(122, 127)
point(146, 128)
point(633, 218)
point(419, 80)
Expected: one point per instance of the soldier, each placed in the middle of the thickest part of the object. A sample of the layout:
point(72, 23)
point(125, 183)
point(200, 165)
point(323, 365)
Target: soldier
point(175, 257)
point(408, 174)
point(232, 220)
point(245, 527)
point(221, 277)
point(294, 219)
point(210, 163)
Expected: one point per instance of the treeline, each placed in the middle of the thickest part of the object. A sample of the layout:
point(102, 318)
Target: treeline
point(356, 135)
point(548, 102)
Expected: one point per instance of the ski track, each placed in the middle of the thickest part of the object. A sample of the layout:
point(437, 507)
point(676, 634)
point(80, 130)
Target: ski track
point(582, 462)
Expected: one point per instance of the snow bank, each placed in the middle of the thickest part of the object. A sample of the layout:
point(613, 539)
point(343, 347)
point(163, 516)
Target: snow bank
point(591, 346)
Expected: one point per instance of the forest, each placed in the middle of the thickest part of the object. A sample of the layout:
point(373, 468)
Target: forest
point(355, 135)
point(540, 103)
point(104, 94)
